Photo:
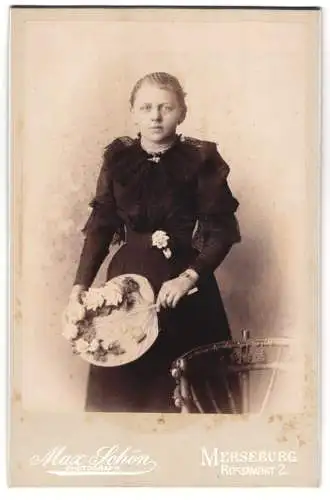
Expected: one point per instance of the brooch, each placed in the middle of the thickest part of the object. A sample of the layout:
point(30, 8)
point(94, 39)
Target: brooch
point(160, 240)
point(155, 158)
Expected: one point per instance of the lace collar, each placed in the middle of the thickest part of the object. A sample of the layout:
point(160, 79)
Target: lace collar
point(128, 160)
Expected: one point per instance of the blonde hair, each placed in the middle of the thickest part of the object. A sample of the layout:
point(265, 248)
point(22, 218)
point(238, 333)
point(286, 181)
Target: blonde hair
point(162, 80)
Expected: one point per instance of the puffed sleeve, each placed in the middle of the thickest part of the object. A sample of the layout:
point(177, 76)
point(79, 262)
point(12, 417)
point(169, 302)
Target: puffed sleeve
point(216, 207)
point(101, 225)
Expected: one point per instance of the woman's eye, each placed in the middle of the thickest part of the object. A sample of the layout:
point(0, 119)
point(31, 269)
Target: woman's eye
point(164, 107)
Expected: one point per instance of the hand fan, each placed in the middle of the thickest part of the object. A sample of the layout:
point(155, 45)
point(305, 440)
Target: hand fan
point(119, 322)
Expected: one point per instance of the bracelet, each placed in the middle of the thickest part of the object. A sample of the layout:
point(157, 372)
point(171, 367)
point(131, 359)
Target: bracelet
point(191, 275)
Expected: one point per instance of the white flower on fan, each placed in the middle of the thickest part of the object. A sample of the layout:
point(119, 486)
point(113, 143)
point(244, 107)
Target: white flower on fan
point(74, 312)
point(106, 344)
point(81, 346)
point(94, 345)
point(70, 331)
point(113, 294)
point(94, 298)
point(111, 344)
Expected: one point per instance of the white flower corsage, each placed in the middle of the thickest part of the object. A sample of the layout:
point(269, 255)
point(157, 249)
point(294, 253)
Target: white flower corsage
point(160, 240)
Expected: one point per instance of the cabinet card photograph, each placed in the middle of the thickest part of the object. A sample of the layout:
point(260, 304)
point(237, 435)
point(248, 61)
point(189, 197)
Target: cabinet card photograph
point(165, 208)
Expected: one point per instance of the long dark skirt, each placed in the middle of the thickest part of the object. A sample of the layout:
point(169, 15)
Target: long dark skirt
point(146, 385)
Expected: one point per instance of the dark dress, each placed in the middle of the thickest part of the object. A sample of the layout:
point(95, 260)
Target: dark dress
point(136, 196)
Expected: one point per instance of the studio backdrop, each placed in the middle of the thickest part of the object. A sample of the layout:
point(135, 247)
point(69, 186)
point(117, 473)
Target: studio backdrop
point(250, 84)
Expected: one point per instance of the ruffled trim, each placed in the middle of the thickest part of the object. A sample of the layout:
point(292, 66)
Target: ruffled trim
point(187, 160)
point(129, 161)
point(103, 217)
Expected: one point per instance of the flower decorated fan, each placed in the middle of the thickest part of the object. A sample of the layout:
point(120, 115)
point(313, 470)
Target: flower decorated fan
point(118, 322)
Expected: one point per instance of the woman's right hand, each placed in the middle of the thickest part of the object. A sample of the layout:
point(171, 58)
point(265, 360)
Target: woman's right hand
point(75, 310)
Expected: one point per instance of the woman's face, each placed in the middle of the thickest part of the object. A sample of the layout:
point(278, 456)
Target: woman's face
point(156, 112)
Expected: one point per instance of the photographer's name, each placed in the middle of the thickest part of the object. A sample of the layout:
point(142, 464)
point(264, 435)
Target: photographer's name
point(107, 460)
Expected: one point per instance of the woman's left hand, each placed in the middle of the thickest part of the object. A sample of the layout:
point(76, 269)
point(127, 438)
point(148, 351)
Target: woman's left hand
point(172, 291)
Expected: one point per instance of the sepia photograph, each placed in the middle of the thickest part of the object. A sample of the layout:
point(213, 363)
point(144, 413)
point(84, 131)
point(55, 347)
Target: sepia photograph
point(165, 167)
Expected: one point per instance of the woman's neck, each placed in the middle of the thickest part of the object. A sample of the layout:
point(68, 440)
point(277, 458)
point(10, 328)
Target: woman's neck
point(152, 147)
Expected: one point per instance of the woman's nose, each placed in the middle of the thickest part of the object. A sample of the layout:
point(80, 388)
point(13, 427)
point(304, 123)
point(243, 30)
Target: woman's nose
point(155, 113)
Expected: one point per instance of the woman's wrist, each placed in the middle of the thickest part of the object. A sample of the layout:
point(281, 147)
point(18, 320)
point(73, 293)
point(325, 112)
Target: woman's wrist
point(191, 275)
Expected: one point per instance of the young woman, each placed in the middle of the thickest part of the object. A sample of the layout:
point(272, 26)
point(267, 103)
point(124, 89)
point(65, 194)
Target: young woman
point(159, 181)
